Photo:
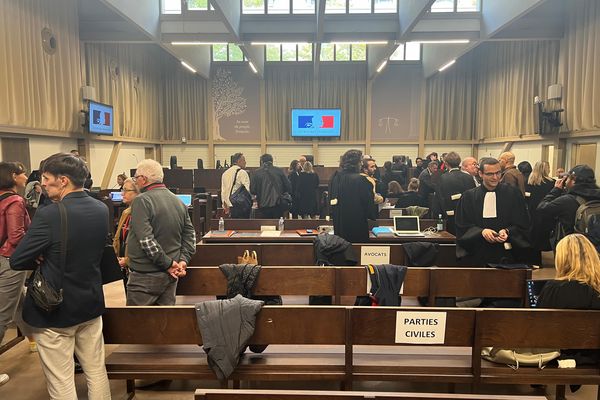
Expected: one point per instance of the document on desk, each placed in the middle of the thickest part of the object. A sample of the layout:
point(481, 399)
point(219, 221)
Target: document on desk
point(270, 233)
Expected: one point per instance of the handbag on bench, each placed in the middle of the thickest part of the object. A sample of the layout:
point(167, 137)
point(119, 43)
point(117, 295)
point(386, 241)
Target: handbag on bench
point(248, 258)
point(516, 358)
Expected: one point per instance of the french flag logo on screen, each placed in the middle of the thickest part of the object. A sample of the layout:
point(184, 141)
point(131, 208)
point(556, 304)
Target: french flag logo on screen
point(101, 118)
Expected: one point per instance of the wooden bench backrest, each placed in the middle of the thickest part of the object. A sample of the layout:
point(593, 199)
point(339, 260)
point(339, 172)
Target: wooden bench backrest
point(248, 394)
point(282, 254)
point(521, 328)
point(377, 325)
point(479, 282)
point(178, 325)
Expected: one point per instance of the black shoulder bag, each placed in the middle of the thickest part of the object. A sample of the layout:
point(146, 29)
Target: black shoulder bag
point(41, 291)
point(240, 199)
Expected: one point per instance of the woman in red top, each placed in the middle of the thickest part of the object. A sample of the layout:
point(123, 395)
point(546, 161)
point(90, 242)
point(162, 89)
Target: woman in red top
point(14, 222)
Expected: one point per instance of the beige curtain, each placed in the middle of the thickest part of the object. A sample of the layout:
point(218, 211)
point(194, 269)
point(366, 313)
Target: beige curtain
point(345, 87)
point(450, 105)
point(490, 92)
point(580, 66)
point(128, 77)
point(184, 103)
point(286, 87)
point(39, 90)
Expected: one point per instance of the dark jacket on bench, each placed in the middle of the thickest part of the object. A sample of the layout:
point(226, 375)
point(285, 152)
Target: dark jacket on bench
point(226, 326)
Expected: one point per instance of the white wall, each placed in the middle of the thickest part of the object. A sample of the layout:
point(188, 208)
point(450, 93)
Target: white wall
point(251, 153)
point(187, 155)
point(284, 154)
point(128, 158)
point(40, 147)
point(463, 150)
point(99, 155)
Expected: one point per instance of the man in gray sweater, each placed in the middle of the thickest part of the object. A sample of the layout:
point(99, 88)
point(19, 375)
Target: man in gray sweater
point(161, 240)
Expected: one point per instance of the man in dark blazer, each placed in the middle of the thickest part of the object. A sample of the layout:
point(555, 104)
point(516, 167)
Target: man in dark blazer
point(452, 185)
point(76, 324)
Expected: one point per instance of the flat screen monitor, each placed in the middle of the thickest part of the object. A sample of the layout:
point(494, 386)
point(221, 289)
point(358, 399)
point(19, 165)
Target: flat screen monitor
point(316, 122)
point(101, 118)
point(116, 196)
point(185, 198)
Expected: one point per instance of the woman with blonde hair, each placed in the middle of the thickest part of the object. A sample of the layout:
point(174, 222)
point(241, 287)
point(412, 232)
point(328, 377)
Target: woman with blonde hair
point(576, 286)
point(394, 189)
point(537, 187)
point(411, 197)
point(130, 192)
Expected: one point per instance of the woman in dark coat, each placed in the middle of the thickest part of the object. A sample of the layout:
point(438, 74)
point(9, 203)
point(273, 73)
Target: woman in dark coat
point(411, 197)
point(293, 174)
point(537, 187)
point(307, 187)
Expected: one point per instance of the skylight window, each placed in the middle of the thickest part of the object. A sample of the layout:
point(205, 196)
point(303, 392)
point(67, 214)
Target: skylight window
point(409, 52)
point(227, 52)
point(456, 6)
point(289, 52)
point(253, 6)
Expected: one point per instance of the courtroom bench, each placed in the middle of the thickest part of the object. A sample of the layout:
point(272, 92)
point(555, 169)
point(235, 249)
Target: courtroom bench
point(430, 282)
point(278, 254)
point(249, 394)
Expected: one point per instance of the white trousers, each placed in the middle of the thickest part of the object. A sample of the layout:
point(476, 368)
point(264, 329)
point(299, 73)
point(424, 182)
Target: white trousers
point(56, 347)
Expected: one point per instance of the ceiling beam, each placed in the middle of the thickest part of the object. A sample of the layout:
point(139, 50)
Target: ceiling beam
point(319, 33)
point(230, 14)
point(496, 15)
point(196, 56)
point(145, 14)
point(435, 56)
point(376, 55)
point(409, 13)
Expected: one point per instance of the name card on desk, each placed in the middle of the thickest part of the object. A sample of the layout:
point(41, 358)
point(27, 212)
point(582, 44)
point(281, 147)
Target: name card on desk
point(374, 255)
point(416, 327)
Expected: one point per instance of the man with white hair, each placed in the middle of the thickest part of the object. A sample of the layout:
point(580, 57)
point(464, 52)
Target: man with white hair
point(470, 166)
point(161, 240)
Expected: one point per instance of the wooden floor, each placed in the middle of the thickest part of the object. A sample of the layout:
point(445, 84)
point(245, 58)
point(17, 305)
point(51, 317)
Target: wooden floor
point(27, 380)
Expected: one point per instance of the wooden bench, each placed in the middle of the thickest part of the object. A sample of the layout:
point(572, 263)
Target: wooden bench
point(244, 394)
point(165, 344)
point(527, 328)
point(361, 345)
point(428, 282)
point(281, 254)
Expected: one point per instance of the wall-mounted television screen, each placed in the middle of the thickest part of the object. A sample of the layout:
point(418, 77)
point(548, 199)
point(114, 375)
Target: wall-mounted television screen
point(101, 118)
point(316, 122)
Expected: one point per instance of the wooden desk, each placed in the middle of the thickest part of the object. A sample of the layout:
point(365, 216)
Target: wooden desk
point(289, 236)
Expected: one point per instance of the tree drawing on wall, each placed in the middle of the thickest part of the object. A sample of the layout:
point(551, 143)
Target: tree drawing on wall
point(227, 99)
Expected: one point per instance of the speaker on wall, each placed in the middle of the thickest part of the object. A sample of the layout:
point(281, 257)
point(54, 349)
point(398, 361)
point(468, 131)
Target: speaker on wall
point(173, 162)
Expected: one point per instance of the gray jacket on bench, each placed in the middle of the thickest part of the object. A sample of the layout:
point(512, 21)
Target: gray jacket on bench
point(226, 326)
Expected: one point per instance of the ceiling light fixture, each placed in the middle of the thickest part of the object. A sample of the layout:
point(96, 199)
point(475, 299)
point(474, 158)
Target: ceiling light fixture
point(252, 67)
point(276, 43)
point(443, 67)
point(196, 43)
point(451, 41)
point(188, 66)
point(382, 66)
point(359, 42)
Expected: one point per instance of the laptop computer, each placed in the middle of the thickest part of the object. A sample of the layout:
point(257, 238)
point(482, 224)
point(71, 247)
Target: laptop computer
point(117, 197)
point(407, 225)
point(534, 288)
point(185, 198)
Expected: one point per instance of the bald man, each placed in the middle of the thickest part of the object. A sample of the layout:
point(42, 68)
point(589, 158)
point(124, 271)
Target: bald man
point(510, 174)
point(470, 166)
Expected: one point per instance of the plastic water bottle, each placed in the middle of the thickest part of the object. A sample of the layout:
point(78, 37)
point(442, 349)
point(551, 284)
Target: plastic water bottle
point(221, 224)
point(281, 224)
point(440, 223)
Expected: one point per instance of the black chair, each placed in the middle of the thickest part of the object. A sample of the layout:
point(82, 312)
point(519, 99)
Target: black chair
point(200, 164)
point(173, 162)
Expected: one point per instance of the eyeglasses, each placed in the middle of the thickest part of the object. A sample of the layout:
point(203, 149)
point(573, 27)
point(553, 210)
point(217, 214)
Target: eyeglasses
point(128, 190)
point(135, 178)
point(499, 173)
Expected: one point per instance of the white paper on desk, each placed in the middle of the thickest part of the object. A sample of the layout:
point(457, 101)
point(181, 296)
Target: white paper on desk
point(374, 255)
point(268, 228)
point(270, 233)
point(420, 327)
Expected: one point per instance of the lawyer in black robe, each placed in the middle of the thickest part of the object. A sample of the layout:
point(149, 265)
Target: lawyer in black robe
point(511, 215)
point(351, 199)
point(452, 185)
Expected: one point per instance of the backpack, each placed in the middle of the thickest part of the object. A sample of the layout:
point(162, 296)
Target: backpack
point(583, 216)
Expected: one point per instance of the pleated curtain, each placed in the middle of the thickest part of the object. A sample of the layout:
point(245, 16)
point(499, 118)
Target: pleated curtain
point(580, 66)
point(39, 90)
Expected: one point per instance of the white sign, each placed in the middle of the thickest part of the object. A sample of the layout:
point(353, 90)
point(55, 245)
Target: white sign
point(374, 255)
point(416, 327)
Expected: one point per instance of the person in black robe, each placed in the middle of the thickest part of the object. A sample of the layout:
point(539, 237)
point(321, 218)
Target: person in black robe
point(351, 199)
point(307, 186)
point(293, 174)
point(491, 219)
point(452, 185)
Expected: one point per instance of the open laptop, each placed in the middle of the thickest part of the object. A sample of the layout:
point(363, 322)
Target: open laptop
point(185, 198)
point(407, 225)
point(534, 288)
point(116, 197)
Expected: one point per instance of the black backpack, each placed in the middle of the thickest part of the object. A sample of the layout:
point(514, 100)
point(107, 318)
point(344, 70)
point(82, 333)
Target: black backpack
point(583, 216)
